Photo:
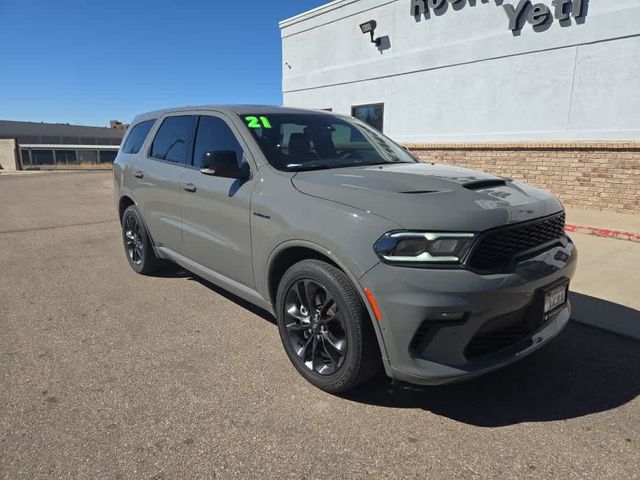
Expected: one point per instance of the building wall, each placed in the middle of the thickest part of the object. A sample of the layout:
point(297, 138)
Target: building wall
point(461, 75)
point(557, 105)
point(601, 176)
point(7, 154)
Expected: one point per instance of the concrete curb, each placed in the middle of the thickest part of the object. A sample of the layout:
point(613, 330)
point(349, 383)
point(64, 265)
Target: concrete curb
point(604, 232)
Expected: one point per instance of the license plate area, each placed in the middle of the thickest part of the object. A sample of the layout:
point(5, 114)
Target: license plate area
point(555, 297)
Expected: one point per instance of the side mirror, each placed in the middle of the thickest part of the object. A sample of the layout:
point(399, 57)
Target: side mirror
point(223, 163)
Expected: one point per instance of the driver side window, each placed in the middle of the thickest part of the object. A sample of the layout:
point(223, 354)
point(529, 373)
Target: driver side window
point(214, 135)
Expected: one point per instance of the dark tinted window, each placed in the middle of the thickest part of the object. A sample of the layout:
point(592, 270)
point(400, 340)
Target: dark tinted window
point(371, 114)
point(87, 156)
point(107, 156)
point(214, 135)
point(66, 156)
point(26, 159)
point(172, 139)
point(137, 136)
point(42, 157)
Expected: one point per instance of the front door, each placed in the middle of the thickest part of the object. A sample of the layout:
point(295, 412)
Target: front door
point(216, 210)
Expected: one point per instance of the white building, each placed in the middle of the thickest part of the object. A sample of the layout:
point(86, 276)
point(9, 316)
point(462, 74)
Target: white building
point(472, 70)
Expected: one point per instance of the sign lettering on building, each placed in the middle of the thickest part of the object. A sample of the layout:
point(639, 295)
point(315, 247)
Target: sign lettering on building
point(524, 11)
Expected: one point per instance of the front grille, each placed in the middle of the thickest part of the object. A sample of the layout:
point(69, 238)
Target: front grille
point(496, 249)
point(498, 334)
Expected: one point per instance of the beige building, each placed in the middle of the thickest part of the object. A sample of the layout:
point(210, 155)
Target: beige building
point(31, 145)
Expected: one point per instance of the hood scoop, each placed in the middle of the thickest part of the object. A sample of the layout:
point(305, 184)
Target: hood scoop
point(484, 184)
point(419, 192)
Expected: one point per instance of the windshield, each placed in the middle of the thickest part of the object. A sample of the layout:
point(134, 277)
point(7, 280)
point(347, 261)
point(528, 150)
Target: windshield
point(296, 142)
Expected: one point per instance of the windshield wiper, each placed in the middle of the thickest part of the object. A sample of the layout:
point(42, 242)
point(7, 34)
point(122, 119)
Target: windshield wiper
point(304, 168)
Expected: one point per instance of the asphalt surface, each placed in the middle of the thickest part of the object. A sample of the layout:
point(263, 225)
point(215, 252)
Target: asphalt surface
point(108, 374)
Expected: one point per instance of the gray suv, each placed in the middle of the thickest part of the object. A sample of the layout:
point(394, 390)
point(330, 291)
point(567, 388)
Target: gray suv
point(366, 256)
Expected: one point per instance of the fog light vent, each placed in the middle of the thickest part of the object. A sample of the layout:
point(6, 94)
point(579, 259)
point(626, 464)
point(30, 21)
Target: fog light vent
point(429, 327)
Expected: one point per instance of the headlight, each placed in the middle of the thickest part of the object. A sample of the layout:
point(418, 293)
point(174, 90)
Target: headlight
point(423, 247)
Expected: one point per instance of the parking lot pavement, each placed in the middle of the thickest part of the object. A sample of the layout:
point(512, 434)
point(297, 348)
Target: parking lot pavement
point(107, 374)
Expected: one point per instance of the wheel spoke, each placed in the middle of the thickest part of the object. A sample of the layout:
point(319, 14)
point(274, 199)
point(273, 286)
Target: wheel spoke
point(311, 291)
point(297, 327)
point(327, 304)
point(294, 312)
point(331, 352)
point(316, 359)
point(302, 351)
point(336, 344)
point(328, 320)
point(302, 295)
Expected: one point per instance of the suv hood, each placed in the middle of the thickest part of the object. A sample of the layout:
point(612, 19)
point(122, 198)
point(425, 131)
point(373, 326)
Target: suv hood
point(430, 196)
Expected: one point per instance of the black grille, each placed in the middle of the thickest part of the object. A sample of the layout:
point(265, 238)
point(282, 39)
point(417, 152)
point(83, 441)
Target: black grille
point(498, 334)
point(497, 248)
point(508, 330)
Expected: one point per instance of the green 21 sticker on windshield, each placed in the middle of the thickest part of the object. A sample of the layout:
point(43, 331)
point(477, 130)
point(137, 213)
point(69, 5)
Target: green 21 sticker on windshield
point(257, 122)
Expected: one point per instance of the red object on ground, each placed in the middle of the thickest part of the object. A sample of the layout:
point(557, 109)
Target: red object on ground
point(603, 232)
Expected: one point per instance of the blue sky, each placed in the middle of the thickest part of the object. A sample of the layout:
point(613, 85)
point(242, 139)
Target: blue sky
point(87, 62)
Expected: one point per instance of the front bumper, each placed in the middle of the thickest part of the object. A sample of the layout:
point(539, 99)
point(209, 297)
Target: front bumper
point(446, 325)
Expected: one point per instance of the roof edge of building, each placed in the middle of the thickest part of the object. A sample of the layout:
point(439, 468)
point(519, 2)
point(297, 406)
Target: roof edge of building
point(314, 12)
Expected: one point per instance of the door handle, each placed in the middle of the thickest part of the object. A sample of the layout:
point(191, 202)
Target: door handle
point(190, 187)
point(138, 174)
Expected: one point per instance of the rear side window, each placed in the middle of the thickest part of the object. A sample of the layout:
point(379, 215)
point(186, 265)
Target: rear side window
point(172, 140)
point(214, 135)
point(137, 136)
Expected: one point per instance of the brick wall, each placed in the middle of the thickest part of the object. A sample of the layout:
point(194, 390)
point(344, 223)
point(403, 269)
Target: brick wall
point(595, 175)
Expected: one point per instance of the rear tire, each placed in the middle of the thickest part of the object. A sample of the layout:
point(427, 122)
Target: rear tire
point(324, 327)
point(137, 244)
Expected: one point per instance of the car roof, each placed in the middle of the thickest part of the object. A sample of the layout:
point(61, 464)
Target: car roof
point(230, 109)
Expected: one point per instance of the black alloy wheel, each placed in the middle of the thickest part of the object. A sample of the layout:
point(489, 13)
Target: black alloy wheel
point(325, 328)
point(314, 326)
point(137, 244)
point(133, 240)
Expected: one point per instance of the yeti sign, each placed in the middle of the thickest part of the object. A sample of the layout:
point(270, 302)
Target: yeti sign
point(537, 14)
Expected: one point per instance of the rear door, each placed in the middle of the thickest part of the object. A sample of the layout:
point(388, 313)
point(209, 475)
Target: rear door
point(216, 210)
point(158, 179)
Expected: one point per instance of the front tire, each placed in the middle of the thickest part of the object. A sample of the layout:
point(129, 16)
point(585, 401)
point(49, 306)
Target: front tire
point(324, 327)
point(137, 244)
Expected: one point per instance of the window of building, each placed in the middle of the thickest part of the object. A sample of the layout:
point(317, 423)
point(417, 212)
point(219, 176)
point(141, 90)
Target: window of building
point(87, 156)
point(66, 156)
point(42, 157)
point(26, 159)
point(214, 135)
point(137, 136)
point(107, 156)
point(371, 114)
point(172, 139)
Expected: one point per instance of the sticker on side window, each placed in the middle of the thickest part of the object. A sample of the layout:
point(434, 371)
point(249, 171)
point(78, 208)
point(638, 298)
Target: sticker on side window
point(257, 122)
